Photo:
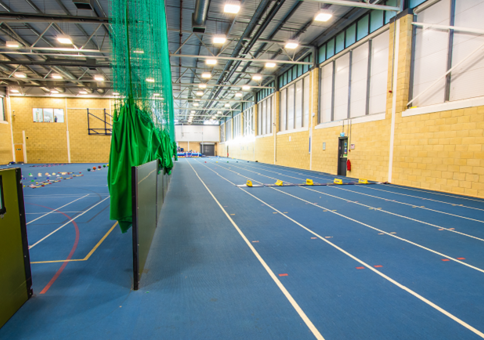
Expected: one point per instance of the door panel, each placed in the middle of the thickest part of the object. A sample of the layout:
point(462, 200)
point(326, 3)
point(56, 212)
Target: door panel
point(342, 156)
point(19, 153)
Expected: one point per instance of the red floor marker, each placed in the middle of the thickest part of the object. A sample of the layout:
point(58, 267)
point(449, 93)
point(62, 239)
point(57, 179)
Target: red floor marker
point(378, 266)
point(360, 267)
point(445, 260)
point(461, 258)
point(283, 275)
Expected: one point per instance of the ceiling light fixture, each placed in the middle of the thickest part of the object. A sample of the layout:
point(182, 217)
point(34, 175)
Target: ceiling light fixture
point(238, 94)
point(323, 15)
point(20, 75)
point(150, 80)
point(98, 77)
point(292, 44)
point(196, 104)
point(206, 75)
point(85, 92)
point(56, 76)
point(138, 51)
point(54, 91)
point(114, 93)
point(219, 112)
point(219, 39)
point(256, 77)
point(246, 88)
point(202, 86)
point(64, 39)
point(12, 44)
point(232, 7)
point(156, 94)
point(14, 91)
point(192, 112)
point(199, 93)
point(227, 105)
point(270, 65)
point(211, 61)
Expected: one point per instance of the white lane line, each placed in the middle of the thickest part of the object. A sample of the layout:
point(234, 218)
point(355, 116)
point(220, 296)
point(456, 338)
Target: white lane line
point(394, 214)
point(367, 225)
point(63, 211)
point(52, 211)
point(283, 289)
point(433, 193)
point(62, 226)
point(386, 277)
point(412, 205)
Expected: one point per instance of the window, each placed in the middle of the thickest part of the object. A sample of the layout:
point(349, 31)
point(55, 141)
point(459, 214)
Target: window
point(228, 126)
point(295, 105)
point(2, 111)
point(48, 115)
point(355, 84)
point(438, 51)
point(264, 109)
point(237, 127)
point(222, 132)
point(249, 122)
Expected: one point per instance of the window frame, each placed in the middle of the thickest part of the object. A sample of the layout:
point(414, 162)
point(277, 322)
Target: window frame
point(286, 88)
point(53, 114)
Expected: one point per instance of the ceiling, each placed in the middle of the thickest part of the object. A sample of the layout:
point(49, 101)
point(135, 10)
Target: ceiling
point(258, 31)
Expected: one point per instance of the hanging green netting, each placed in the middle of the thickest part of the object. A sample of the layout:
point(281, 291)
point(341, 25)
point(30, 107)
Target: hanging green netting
point(143, 124)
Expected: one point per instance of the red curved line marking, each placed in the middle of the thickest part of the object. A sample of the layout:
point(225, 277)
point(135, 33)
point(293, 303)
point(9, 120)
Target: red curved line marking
point(74, 247)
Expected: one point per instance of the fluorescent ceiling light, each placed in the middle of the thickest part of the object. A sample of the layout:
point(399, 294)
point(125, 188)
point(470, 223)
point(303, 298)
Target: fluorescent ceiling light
point(232, 7)
point(12, 44)
point(246, 87)
point(14, 90)
point(256, 77)
point(114, 93)
point(156, 94)
point(211, 61)
point(238, 94)
point(202, 86)
point(138, 51)
point(64, 39)
point(219, 112)
point(227, 105)
point(270, 65)
point(206, 75)
point(196, 104)
point(192, 112)
point(98, 77)
point(150, 80)
point(292, 44)
point(54, 91)
point(199, 93)
point(219, 39)
point(56, 76)
point(323, 15)
point(85, 92)
point(20, 75)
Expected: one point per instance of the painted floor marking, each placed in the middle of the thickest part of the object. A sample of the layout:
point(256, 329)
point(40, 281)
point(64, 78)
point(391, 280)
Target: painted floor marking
point(359, 222)
point(62, 226)
point(50, 212)
point(283, 289)
point(430, 199)
point(88, 255)
point(408, 290)
point(283, 274)
point(401, 216)
point(422, 207)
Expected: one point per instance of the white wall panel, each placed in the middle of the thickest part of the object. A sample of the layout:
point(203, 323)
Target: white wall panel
point(341, 84)
point(326, 92)
point(359, 79)
point(299, 103)
point(379, 73)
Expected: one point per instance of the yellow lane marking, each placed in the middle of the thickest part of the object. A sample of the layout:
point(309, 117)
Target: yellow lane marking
point(88, 255)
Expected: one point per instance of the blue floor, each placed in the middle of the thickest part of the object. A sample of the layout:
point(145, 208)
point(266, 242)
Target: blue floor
point(335, 262)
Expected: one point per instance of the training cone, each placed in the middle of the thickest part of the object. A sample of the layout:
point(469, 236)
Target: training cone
point(30, 174)
point(249, 183)
point(279, 183)
point(309, 182)
point(205, 161)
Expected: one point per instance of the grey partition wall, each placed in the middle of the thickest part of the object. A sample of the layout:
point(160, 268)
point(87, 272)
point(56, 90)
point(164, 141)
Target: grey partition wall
point(149, 190)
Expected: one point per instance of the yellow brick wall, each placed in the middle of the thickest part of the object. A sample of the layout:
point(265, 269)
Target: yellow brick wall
point(5, 143)
point(47, 142)
point(264, 149)
point(293, 150)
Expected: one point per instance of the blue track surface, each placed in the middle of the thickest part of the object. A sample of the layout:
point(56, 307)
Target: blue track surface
point(349, 262)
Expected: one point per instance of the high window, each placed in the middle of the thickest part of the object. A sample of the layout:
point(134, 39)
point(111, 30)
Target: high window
point(355, 83)
point(294, 113)
point(264, 116)
point(438, 51)
point(237, 129)
point(48, 115)
point(249, 122)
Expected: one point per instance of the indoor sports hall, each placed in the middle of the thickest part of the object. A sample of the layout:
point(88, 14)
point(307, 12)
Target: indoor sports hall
point(242, 169)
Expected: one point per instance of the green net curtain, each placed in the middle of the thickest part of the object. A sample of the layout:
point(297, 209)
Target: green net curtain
point(143, 124)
